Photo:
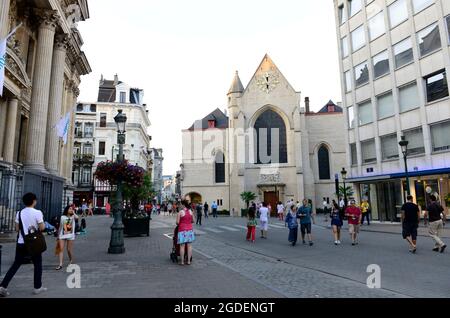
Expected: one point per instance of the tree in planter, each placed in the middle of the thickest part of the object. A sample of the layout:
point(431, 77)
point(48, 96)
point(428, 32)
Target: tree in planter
point(137, 194)
point(346, 191)
point(247, 197)
point(447, 200)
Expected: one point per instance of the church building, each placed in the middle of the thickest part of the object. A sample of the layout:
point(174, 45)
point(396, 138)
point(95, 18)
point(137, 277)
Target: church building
point(265, 143)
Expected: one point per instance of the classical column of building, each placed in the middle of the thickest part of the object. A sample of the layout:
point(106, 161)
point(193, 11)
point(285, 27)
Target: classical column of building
point(4, 23)
point(55, 104)
point(72, 103)
point(41, 91)
point(10, 132)
point(4, 17)
point(3, 114)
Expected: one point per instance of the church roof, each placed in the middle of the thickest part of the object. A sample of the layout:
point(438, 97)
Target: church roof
point(217, 115)
point(236, 86)
point(335, 108)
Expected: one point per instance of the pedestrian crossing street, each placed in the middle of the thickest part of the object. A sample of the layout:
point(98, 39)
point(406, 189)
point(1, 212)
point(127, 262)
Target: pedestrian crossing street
point(215, 229)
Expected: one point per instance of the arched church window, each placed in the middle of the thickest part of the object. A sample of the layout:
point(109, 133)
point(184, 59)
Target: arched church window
point(220, 167)
point(271, 139)
point(324, 163)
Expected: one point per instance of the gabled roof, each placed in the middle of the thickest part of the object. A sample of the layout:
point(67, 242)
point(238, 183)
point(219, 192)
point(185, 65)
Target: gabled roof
point(325, 109)
point(217, 115)
point(236, 86)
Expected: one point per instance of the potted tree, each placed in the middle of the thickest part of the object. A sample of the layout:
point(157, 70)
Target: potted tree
point(247, 197)
point(136, 221)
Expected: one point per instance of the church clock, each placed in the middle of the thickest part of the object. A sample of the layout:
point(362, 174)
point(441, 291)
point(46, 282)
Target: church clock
point(267, 82)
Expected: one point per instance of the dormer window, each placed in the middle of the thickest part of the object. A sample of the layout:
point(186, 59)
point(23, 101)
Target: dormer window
point(123, 97)
point(211, 124)
point(331, 109)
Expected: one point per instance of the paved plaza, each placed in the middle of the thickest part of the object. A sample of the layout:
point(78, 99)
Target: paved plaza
point(225, 265)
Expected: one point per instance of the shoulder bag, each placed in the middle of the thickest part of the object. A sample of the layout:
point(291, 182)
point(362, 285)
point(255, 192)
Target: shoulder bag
point(34, 242)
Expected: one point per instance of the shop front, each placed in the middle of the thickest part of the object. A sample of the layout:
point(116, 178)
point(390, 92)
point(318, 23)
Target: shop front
point(386, 194)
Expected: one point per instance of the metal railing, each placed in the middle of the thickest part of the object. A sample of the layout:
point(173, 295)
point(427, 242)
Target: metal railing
point(11, 190)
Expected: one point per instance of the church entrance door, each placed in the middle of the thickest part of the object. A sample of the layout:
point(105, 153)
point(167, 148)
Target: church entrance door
point(271, 197)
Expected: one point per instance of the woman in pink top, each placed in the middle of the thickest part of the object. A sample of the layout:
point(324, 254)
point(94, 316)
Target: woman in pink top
point(186, 236)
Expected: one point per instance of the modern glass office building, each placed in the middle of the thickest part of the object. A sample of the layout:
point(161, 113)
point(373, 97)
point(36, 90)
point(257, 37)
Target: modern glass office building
point(394, 60)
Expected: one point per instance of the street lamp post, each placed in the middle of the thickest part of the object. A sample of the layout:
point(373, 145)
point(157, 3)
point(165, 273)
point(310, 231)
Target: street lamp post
point(404, 145)
point(116, 245)
point(344, 178)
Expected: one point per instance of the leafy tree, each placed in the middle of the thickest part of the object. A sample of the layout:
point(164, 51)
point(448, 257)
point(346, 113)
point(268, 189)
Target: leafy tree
point(247, 197)
point(346, 191)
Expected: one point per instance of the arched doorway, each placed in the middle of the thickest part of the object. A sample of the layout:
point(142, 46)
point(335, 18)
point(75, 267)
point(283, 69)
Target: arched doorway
point(195, 197)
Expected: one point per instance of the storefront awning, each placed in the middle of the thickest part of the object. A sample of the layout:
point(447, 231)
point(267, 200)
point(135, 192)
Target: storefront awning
point(401, 175)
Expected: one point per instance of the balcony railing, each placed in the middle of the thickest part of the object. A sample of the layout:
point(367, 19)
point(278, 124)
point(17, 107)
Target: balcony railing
point(83, 158)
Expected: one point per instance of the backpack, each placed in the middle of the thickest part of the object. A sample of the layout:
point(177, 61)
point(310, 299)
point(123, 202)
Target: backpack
point(34, 241)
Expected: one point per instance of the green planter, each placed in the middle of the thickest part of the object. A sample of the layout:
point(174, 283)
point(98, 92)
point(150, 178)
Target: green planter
point(136, 227)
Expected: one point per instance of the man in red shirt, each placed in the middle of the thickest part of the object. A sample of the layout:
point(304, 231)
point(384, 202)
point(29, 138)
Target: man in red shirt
point(354, 221)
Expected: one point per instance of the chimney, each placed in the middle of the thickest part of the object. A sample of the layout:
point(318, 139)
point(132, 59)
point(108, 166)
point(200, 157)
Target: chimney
point(116, 80)
point(102, 80)
point(308, 110)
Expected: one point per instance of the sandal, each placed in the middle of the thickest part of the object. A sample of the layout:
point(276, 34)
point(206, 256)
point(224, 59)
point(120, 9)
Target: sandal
point(59, 268)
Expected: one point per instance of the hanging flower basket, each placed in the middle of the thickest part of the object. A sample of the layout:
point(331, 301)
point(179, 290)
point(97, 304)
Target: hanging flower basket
point(112, 172)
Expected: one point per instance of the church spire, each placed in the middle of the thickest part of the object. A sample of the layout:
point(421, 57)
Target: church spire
point(236, 86)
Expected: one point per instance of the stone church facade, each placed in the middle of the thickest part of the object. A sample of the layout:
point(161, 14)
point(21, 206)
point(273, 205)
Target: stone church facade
point(266, 143)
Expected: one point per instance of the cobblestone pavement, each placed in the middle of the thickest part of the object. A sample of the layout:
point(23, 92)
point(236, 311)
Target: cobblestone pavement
point(225, 265)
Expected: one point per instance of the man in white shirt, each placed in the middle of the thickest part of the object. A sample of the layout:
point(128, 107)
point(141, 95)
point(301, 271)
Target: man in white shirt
point(264, 220)
point(31, 219)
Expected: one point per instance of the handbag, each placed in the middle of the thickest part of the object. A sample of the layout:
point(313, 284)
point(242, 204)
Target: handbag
point(34, 241)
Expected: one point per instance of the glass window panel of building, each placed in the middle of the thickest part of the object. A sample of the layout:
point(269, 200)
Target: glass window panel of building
point(376, 26)
point(408, 97)
point(348, 81)
point(440, 134)
point(323, 157)
point(437, 86)
point(385, 104)
point(398, 12)
point(88, 149)
point(351, 117)
point(103, 120)
point(389, 147)
point(369, 154)
point(345, 48)
point(271, 138)
point(358, 38)
point(419, 5)
point(361, 74)
point(380, 64)
point(354, 6)
point(88, 130)
point(429, 39)
point(403, 53)
point(365, 113)
point(415, 138)
point(101, 148)
point(342, 14)
point(447, 19)
point(354, 154)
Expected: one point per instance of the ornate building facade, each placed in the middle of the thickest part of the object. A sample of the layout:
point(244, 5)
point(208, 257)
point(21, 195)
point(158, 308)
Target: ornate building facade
point(266, 143)
point(44, 63)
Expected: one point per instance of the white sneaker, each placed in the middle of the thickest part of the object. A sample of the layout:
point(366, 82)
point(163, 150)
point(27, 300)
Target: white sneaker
point(4, 292)
point(39, 291)
point(339, 243)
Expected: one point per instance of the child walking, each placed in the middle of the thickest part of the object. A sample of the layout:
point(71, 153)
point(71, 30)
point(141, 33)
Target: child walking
point(251, 225)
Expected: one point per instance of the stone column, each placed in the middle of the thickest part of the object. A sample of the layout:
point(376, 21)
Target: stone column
point(55, 104)
point(10, 133)
point(41, 92)
point(4, 18)
point(3, 107)
point(73, 100)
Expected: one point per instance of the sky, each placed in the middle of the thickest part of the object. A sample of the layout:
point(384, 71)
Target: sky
point(184, 54)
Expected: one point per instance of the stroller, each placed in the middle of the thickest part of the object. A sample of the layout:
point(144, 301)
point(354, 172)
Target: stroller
point(176, 248)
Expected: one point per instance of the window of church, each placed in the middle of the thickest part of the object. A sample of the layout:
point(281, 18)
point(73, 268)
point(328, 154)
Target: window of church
point(220, 168)
point(271, 139)
point(324, 163)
